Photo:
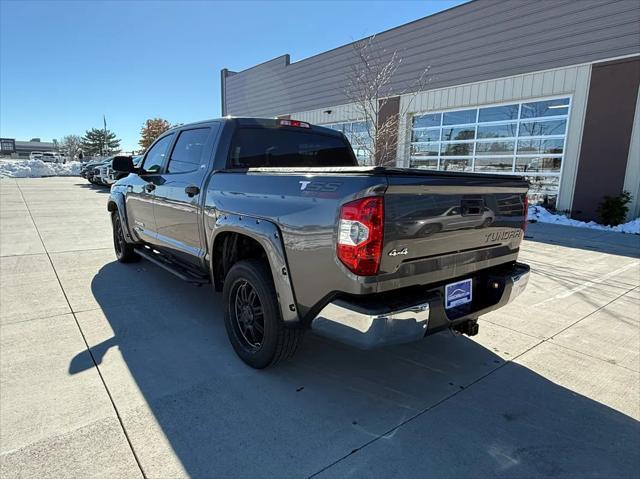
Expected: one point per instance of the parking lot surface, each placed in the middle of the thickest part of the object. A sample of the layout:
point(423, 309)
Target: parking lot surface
point(115, 370)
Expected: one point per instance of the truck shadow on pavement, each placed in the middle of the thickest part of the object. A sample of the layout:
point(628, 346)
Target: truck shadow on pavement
point(191, 407)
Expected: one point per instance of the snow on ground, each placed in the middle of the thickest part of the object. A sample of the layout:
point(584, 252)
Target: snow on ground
point(538, 213)
point(37, 168)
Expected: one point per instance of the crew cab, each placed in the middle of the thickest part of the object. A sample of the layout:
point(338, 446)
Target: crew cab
point(280, 218)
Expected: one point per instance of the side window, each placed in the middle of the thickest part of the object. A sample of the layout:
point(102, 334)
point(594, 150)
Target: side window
point(155, 156)
point(187, 153)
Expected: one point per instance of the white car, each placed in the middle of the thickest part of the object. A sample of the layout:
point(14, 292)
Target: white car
point(35, 155)
point(106, 175)
point(50, 157)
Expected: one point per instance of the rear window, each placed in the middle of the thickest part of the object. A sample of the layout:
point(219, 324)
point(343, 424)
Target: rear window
point(264, 147)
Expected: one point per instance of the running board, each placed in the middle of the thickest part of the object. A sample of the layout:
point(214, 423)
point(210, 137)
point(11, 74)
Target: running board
point(172, 268)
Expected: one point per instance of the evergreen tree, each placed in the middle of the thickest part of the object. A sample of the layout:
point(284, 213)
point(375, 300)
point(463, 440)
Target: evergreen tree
point(100, 142)
point(151, 130)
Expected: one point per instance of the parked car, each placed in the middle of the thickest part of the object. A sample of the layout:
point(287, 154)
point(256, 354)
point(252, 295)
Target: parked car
point(445, 215)
point(279, 217)
point(92, 171)
point(50, 157)
point(105, 175)
point(35, 155)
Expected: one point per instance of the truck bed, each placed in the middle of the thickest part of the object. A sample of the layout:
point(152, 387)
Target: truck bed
point(437, 225)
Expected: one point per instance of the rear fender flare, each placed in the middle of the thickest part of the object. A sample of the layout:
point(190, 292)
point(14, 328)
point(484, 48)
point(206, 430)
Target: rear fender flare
point(269, 237)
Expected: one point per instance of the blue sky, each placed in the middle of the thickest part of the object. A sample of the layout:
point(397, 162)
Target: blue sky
point(65, 64)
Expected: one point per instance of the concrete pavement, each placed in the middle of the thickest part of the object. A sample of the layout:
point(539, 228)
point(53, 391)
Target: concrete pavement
point(110, 370)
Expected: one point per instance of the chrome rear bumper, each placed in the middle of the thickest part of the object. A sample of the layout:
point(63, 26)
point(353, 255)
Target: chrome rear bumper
point(367, 329)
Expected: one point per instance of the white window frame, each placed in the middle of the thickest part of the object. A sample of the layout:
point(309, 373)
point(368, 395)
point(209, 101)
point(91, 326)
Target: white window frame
point(514, 155)
point(344, 122)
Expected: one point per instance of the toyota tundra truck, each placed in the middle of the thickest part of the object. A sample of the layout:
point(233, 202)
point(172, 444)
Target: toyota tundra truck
point(277, 215)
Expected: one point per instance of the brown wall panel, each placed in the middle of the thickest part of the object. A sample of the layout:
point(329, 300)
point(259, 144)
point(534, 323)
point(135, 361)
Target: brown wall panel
point(607, 132)
point(388, 113)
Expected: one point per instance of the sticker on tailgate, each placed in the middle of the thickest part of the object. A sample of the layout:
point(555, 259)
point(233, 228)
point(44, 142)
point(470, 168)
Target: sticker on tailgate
point(458, 293)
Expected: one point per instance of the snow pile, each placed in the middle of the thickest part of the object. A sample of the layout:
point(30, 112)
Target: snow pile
point(37, 168)
point(538, 213)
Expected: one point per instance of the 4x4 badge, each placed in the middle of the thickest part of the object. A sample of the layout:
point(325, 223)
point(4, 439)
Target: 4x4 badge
point(395, 252)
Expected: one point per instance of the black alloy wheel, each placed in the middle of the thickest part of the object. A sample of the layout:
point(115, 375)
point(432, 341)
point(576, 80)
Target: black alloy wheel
point(124, 251)
point(248, 314)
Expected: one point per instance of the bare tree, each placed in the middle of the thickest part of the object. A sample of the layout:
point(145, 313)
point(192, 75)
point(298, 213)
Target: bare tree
point(370, 87)
point(71, 145)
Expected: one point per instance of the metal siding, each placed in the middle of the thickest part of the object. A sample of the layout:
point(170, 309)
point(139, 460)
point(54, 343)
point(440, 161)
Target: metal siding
point(476, 41)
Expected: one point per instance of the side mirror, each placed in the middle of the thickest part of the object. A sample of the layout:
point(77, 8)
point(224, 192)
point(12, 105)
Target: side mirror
point(123, 164)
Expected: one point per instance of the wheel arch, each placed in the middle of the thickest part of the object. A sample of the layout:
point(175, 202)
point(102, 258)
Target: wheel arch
point(237, 237)
point(116, 203)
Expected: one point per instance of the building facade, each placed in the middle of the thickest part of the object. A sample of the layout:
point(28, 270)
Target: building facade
point(12, 148)
point(546, 89)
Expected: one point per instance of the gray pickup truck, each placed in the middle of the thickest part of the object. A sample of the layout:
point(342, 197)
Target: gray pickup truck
point(277, 215)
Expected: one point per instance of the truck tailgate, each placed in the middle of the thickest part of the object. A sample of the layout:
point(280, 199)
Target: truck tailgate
point(450, 224)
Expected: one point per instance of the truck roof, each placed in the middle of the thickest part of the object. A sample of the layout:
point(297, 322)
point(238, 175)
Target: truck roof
point(259, 122)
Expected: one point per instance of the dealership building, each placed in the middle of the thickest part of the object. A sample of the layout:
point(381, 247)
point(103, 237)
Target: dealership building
point(546, 89)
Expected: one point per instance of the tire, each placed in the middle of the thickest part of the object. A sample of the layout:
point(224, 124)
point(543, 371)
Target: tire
point(250, 304)
point(124, 251)
point(430, 229)
point(486, 223)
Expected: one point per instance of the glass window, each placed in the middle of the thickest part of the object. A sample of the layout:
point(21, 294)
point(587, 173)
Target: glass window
point(456, 165)
point(544, 190)
point(359, 127)
point(425, 149)
point(493, 164)
point(459, 117)
point(543, 128)
point(495, 148)
point(429, 164)
point(457, 149)
point(430, 134)
point(497, 131)
point(554, 146)
point(187, 153)
point(427, 120)
point(358, 135)
point(545, 108)
point(498, 113)
point(262, 147)
point(489, 138)
point(154, 159)
point(460, 133)
point(539, 164)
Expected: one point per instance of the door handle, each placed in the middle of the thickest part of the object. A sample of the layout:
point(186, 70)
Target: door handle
point(149, 187)
point(192, 190)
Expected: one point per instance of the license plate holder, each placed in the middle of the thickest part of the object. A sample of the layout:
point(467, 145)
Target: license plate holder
point(458, 293)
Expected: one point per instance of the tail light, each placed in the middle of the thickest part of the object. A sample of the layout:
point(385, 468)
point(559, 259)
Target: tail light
point(294, 123)
point(525, 219)
point(360, 235)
